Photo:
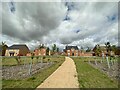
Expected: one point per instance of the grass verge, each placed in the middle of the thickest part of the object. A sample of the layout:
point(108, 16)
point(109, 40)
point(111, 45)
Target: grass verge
point(90, 77)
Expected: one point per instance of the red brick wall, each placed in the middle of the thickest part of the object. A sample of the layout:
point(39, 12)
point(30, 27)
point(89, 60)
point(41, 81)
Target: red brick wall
point(70, 52)
point(79, 53)
point(41, 52)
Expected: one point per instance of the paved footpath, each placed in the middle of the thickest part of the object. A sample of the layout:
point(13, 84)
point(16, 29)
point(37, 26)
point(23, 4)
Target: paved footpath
point(64, 77)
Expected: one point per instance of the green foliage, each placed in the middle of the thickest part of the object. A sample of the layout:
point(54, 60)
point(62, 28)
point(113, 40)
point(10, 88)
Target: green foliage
point(57, 49)
point(32, 56)
point(88, 49)
point(82, 49)
point(54, 48)
point(44, 57)
point(41, 46)
point(37, 57)
point(47, 51)
point(108, 46)
point(97, 50)
point(4, 47)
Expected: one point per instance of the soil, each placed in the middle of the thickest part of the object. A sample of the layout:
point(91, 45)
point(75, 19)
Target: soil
point(23, 71)
point(112, 72)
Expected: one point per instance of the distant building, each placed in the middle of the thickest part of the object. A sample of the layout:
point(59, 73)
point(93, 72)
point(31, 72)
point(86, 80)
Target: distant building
point(74, 51)
point(102, 48)
point(103, 51)
point(40, 51)
point(71, 50)
point(17, 50)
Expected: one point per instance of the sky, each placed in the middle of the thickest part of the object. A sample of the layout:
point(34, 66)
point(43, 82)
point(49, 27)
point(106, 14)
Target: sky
point(62, 23)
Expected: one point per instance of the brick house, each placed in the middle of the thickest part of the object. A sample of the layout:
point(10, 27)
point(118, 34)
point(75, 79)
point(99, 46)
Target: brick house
point(104, 51)
point(74, 51)
point(18, 49)
point(71, 51)
point(41, 51)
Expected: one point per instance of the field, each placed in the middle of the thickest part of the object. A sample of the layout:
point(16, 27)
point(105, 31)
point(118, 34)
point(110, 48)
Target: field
point(93, 72)
point(90, 76)
point(40, 69)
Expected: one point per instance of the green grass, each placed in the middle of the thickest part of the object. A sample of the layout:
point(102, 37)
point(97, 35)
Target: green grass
point(34, 80)
point(90, 77)
point(11, 61)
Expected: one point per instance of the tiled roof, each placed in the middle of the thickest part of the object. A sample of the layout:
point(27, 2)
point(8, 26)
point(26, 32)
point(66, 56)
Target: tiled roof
point(18, 46)
point(70, 47)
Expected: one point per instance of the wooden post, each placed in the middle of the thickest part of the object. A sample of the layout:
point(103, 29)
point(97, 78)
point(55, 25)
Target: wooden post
point(89, 61)
point(95, 62)
point(30, 69)
point(24, 62)
point(41, 60)
point(108, 62)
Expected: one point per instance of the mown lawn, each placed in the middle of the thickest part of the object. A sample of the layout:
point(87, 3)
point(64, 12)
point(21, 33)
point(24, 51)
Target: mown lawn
point(90, 77)
point(34, 80)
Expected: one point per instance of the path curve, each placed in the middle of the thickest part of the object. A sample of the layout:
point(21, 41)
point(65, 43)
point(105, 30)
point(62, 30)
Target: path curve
point(64, 77)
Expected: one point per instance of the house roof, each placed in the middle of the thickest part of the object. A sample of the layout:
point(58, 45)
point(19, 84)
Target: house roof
point(18, 46)
point(102, 48)
point(70, 47)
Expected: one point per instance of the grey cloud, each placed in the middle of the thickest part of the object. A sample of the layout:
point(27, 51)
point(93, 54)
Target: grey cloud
point(43, 22)
point(34, 20)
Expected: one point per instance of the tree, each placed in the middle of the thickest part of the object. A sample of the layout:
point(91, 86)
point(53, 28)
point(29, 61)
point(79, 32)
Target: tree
point(57, 49)
point(108, 46)
point(97, 50)
point(41, 46)
point(47, 51)
point(32, 55)
point(88, 49)
point(54, 48)
point(4, 47)
point(82, 49)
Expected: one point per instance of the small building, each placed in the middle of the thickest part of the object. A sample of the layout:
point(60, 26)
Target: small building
point(40, 51)
point(71, 50)
point(17, 50)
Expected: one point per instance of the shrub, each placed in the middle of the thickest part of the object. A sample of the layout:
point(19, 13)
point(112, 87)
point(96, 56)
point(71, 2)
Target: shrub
point(44, 57)
point(37, 57)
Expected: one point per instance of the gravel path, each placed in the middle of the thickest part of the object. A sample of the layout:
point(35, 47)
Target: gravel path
point(64, 77)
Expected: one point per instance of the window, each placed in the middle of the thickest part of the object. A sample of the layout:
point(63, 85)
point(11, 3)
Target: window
point(68, 50)
point(68, 54)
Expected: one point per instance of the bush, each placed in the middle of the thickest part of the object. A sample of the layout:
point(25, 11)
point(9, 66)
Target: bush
point(32, 56)
point(44, 57)
point(37, 57)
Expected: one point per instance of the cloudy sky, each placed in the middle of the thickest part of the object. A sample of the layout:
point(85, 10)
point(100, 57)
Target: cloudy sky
point(63, 23)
